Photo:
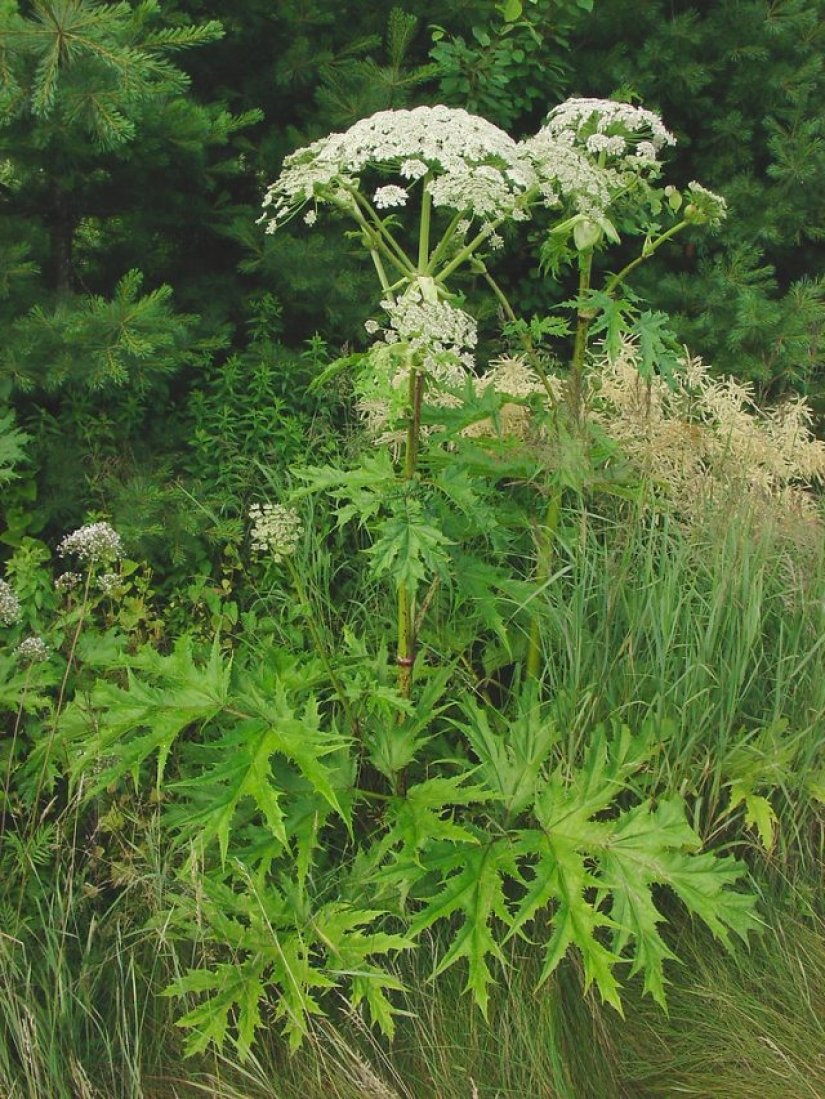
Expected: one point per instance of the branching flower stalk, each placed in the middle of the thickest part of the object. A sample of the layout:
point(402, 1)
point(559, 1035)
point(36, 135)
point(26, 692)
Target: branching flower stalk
point(93, 545)
point(584, 318)
point(615, 281)
point(84, 606)
point(405, 656)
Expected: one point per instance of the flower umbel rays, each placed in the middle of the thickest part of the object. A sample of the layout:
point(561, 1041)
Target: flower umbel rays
point(472, 165)
point(108, 583)
point(431, 336)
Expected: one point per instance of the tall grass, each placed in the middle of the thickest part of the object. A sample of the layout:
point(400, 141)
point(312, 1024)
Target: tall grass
point(751, 1024)
point(717, 640)
point(80, 1015)
point(739, 1025)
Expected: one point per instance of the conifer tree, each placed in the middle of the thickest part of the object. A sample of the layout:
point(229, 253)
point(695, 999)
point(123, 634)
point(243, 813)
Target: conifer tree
point(107, 180)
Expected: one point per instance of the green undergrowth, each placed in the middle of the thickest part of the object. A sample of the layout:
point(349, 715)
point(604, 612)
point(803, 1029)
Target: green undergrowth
point(708, 652)
point(740, 1025)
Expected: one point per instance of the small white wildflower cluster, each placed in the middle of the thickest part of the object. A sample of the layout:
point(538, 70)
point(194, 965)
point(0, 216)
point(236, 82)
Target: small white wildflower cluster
point(386, 197)
point(32, 650)
point(590, 149)
point(92, 543)
point(10, 610)
point(706, 206)
point(472, 163)
point(109, 583)
point(67, 581)
point(276, 530)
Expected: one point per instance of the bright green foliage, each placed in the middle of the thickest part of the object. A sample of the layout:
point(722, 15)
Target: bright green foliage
point(176, 695)
point(502, 838)
point(584, 719)
point(131, 340)
point(765, 765)
point(278, 942)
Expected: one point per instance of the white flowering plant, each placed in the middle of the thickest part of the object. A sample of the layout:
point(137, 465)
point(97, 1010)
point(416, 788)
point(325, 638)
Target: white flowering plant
point(428, 190)
point(345, 803)
point(594, 164)
point(392, 761)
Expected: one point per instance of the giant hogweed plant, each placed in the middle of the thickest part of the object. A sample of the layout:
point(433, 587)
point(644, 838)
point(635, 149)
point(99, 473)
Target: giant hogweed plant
point(332, 804)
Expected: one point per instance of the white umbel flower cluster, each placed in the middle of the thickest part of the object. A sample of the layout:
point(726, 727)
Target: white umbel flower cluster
point(67, 581)
point(391, 195)
point(9, 605)
point(438, 340)
point(567, 174)
point(32, 650)
point(603, 125)
point(474, 165)
point(92, 543)
point(439, 334)
point(590, 150)
point(109, 583)
point(275, 532)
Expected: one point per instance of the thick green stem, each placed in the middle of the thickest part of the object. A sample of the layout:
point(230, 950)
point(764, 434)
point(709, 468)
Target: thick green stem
point(379, 269)
point(424, 229)
point(583, 320)
point(392, 249)
point(449, 233)
point(405, 657)
point(544, 563)
point(467, 251)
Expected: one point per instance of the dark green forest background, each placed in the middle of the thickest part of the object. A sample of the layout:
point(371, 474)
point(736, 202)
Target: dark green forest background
point(157, 345)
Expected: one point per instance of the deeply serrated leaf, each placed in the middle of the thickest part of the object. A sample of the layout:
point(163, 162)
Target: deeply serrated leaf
point(473, 884)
